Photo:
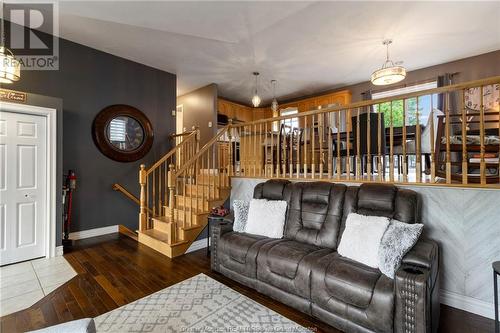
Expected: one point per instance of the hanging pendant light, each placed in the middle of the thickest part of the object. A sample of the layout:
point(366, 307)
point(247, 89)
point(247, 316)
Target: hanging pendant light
point(274, 103)
point(389, 73)
point(256, 98)
point(10, 68)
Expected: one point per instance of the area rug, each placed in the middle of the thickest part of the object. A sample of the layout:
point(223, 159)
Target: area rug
point(198, 304)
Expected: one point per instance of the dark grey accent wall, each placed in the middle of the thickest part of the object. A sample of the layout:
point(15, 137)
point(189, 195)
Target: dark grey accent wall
point(89, 80)
point(200, 108)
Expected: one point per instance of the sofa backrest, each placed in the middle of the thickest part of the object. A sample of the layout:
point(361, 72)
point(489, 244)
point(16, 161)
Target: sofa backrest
point(315, 213)
point(273, 189)
point(381, 200)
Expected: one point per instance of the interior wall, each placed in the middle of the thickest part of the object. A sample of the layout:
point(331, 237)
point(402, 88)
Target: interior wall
point(200, 108)
point(468, 69)
point(87, 81)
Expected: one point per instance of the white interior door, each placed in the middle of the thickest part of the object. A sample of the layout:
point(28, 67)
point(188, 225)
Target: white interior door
point(23, 186)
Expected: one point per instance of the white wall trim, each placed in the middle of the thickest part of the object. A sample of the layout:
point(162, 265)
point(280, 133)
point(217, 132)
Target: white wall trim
point(59, 251)
point(51, 115)
point(93, 232)
point(468, 304)
point(197, 245)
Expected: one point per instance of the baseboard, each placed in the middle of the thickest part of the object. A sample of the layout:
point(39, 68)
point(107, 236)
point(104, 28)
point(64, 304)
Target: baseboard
point(59, 251)
point(93, 232)
point(468, 304)
point(197, 245)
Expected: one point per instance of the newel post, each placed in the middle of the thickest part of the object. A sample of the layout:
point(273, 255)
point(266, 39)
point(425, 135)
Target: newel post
point(230, 150)
point(143, 204)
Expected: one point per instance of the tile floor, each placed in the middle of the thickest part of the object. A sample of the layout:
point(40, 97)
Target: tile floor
point(24, 284)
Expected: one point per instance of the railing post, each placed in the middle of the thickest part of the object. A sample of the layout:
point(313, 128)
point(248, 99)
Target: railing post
point(171, 202)
point(230, 150)
point(142, 200)
point(171, 188)
point(197, 138)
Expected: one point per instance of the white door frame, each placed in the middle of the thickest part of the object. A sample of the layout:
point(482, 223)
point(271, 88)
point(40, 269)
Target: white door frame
point(178, 116)
point(51, 202)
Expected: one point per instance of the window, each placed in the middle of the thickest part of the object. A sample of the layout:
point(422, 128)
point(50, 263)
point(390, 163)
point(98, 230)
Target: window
point(290, 123)
point(424, 105)
point(117, 130)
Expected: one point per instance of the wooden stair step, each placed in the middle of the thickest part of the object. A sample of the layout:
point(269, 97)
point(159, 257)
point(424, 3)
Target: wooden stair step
point(190, 213)
point(204, 189)
point(209, 180)
point(155, 234)
point(161, 223)
point(199, 204)
point(157, 240)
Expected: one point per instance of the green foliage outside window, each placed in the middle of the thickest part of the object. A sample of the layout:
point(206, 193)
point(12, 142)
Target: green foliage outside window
point(397, 112)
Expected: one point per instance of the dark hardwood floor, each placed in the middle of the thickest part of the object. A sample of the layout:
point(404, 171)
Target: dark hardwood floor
point(115, 270)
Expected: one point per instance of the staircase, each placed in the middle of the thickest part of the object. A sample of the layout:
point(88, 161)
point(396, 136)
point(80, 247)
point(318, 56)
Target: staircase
point(178, 192)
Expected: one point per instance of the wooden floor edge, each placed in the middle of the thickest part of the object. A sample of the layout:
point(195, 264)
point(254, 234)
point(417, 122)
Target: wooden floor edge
point(127, 232)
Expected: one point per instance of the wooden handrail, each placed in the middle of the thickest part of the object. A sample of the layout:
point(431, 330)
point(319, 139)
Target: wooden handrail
point(176, 135)
point(118, 188)
point(171, 152)
point(440, 90)
point(202, 150)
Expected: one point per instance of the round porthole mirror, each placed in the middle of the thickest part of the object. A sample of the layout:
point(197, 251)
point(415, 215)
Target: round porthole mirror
point(122, 133)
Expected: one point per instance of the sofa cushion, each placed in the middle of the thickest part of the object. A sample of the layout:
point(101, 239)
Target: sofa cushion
point(315, 213)
point(361, 238)
point(353, 291)
point(240, 214)
point(266, 218)
point(351, 282)
point(238, 252)
point(238, 245)
point(284, 258)
point(286, 264)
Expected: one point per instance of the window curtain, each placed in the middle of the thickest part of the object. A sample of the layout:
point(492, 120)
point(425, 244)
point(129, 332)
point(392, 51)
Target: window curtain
point(367, 96)
point(442, 81)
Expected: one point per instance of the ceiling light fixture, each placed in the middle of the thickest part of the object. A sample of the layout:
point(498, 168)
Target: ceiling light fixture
point(256, 98)
point(274, 103)
point(389, 73)
point(10, 68)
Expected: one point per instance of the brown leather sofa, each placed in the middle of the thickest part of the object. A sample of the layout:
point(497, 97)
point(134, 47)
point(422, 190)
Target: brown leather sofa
point(304, 270)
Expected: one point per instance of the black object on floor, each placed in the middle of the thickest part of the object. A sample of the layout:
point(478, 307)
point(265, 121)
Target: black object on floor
point(496, 273)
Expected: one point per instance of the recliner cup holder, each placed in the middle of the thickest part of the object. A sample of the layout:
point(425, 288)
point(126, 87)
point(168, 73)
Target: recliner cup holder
point(413, 271)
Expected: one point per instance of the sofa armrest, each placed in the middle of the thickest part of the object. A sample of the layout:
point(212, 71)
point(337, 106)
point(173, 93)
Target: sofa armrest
point(423, 254)
point(217, 230)
point(417, 289)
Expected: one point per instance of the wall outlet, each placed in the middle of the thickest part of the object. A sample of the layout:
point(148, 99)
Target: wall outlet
point(173, 113)
point(209, 124)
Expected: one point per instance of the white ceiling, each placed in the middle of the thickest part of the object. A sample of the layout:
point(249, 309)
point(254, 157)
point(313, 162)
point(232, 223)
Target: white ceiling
point(306, 46)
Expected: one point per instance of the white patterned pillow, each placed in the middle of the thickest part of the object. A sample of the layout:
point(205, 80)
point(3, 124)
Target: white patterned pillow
point(361, 238)
point(398, 239)
point(266, 218)
point(240, 215)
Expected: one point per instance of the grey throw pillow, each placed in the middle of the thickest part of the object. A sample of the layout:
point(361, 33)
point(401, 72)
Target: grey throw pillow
point(398, 239)
point(240, 215)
